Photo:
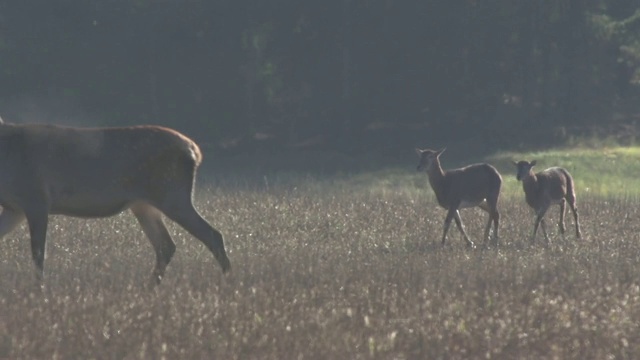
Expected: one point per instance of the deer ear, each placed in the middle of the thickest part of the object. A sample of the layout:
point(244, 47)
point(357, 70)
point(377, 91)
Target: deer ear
point(533, 163)
point(441, 151)
point(419, 152)
point(514, 162)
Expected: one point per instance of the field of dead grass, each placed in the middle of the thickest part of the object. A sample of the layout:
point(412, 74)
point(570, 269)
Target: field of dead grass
point(322, 272)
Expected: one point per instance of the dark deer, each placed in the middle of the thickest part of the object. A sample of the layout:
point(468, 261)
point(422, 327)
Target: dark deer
point(100, 172)
point(545, 188)
point(473, 185)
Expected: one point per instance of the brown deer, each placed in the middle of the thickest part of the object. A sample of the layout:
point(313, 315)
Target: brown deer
point(473, 185)
point(100, 172)
point(545, 188)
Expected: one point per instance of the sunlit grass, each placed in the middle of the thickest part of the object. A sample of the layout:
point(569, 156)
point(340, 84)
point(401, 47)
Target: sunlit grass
point(605, 172)
point(612, 172)
point(341, 268)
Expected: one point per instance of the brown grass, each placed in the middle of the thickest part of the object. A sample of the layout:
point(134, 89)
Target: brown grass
point(343, 274)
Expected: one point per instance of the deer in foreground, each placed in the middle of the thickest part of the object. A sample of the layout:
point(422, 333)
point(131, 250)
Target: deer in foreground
point(473, 185)
point(545, 188)
point(100, 172)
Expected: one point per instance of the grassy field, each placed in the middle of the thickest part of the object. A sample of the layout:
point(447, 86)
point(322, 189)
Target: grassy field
point(343, 268)
point(605, 172)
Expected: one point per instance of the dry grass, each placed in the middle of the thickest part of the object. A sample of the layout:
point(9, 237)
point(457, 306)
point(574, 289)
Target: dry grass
point(344, 274)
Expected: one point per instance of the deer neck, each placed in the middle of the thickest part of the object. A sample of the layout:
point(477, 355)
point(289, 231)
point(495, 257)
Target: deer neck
point(530, 186)
point(436, 176)
point(530, 180)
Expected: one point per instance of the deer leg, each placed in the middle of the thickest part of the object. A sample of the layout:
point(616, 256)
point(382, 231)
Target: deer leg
point(539, 215)
point(544, 232)
point(494, 216)
point(447, 223)
point(574, 209)
point(458, 220)
point(150, 220)
point(487, 230)
point(9, 220)
point(38, 221)
point(484, 206)
point(183, 213)
point(561, 222)
point(496, 222)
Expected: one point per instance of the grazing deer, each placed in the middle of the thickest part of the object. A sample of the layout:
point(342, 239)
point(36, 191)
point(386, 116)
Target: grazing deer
point(100, 172)
point(473, 185)
point(548, 187)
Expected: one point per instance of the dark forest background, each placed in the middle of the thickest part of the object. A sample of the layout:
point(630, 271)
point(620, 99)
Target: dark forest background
point(345, 75)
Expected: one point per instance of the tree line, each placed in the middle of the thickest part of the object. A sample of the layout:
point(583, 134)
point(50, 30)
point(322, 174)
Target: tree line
point(327, 73)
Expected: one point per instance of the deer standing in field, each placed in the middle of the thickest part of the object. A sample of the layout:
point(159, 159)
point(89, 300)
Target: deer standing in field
point(473, 185)
point(545, 188)
point(100, 172)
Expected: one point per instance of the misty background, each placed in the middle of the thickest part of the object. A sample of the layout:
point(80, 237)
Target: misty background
point(348, 78)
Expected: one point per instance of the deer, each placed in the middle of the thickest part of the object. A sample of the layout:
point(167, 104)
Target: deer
point(101, 172)
point(551, 186)
point(473, 185)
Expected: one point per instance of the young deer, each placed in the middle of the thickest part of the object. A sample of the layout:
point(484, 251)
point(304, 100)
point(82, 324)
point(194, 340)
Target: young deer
point(473, 185)
point(548, 187)
point(100, 172)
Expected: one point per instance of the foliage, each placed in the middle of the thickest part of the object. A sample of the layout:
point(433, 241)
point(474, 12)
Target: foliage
point(339, 74)
point(625, 33)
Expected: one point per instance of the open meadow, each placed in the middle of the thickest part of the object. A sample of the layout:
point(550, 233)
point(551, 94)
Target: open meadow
point(344, 267)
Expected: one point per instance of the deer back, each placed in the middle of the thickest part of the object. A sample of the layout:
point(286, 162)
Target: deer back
point(471, 184)
point(547, 186)
point(554, 182)
point(76, 169)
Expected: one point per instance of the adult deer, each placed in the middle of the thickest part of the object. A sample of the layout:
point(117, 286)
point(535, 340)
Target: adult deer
point(473, 185)
point(551, 186)
point(100, 172)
